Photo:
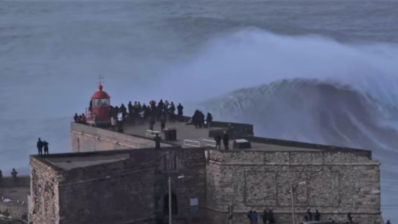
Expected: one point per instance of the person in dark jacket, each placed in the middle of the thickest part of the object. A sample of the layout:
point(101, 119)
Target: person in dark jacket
point(180, 111)
point(265, 216)
point(162, 122)
point(209, 119)
point(349, 217)
point(40, 147)
point(225, 139)
point(309, 214)
point(317, 215)
point(45, 144)
point(249, 216)
point(76, 118)
point(271, 218)
point(217, 138)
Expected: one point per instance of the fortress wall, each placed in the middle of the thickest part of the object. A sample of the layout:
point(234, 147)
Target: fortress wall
point(289, 157)
point(44, 193)
point(191, 164)
point(87, 138)
point(109, 192)
point(259, 180)
point(9, 182)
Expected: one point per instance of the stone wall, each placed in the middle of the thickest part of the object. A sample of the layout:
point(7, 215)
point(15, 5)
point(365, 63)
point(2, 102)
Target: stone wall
point(44, 193)
point(333, 183)
point(109, 192)
point(191, 164)
point(86, 138)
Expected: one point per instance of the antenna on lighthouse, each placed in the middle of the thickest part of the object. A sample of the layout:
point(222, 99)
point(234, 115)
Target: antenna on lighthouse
point(100, 81)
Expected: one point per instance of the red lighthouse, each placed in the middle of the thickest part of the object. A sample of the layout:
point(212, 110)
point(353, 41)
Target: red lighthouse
point(100, 102)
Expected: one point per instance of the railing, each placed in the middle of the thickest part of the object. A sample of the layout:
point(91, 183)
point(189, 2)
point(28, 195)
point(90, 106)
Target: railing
point(191, 143)
point(151, 133)
point(208, 142)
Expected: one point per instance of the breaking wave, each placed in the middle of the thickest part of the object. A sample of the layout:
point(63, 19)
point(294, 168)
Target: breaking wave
point(312, 111)
point(302, 88)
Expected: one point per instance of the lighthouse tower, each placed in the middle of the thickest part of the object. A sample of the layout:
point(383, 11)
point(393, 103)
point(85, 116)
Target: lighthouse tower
point(100, 102)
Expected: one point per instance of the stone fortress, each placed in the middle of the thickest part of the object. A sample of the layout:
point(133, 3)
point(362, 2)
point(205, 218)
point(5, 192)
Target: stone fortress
point(112, 177)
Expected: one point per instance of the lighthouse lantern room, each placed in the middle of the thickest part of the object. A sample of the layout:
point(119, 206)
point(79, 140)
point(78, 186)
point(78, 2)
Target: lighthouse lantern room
point(99, 108)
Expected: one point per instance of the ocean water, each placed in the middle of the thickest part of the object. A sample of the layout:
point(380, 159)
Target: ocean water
point(314, 71)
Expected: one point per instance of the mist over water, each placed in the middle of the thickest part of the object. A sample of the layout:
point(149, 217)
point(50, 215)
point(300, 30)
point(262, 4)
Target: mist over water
point(298, 71)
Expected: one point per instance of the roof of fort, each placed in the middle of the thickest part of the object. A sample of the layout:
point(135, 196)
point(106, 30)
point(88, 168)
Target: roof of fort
point(188, 138)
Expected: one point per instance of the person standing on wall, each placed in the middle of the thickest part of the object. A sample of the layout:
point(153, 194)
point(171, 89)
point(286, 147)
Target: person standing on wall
point(14, 174)
point(180, 111)
point(225, 139)
point(209, 119)
point(45, 144)
point(217, 138)
point(40, 147)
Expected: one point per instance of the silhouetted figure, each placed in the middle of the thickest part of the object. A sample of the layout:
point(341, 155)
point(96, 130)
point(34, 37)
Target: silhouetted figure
point(265, 216)
point(349, 217)
point(40, 147)
point(151, 123)
point(249, 216)
point(225, 139)
point(90, 106)
point(180, 109)
point(217, 138)
point(123, 110)
point(309, 214)
point(157, 141)
point(271, 218)
point(201, 119)
point(1, 178)
point(196, 118)
point(76, 118)
point(172, 110)
point(306, 218)
point(45, 144)
point(130, 108)
point(209, 119)
point(317, 215)
point(162, 122)
point(388, 221)
point(14, 174)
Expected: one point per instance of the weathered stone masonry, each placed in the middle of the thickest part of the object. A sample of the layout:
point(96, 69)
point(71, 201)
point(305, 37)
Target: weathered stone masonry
point(127, 191)
point(113, 191)
point(336, 183)
point(44, 193)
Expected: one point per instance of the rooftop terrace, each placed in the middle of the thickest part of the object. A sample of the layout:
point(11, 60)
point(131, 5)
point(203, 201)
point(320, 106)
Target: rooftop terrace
point(188, 136)
point(68, 163)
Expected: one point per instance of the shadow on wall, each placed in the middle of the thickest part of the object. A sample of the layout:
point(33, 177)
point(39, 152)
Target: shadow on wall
point(9, 182)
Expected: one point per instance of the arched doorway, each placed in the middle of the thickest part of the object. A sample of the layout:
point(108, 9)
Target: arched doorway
point(174, 205)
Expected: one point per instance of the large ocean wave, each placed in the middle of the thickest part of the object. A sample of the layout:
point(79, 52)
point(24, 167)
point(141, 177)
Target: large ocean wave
point(306, 88)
